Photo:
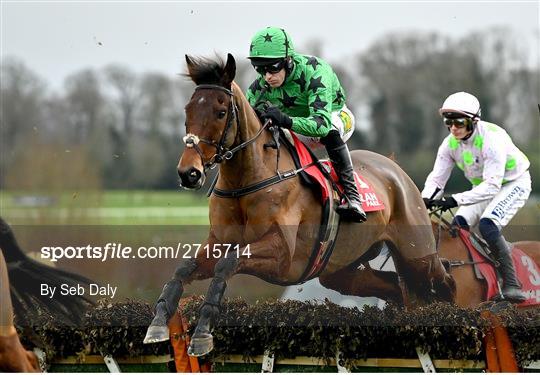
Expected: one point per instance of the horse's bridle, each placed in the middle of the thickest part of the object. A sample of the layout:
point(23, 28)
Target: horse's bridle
point(222, 152)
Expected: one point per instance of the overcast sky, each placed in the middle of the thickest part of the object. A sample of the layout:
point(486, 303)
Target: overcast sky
point(55, 39)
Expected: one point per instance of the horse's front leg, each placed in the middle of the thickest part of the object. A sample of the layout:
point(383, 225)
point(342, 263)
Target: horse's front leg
point(202, 340)
point(189, 269)
point(269, 257)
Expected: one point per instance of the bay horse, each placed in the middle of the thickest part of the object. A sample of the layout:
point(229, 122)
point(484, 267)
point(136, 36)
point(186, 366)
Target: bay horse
point(20, 279)
point(470, 291)
point(274, 228)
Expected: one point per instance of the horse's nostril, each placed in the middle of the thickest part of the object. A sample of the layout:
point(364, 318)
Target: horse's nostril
point(190, 177)
point(194, 174)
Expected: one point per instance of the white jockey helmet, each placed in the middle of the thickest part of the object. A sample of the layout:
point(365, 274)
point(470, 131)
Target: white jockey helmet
point(461, 103)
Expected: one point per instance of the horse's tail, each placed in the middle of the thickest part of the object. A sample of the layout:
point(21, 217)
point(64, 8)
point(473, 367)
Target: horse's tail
point(26, 276)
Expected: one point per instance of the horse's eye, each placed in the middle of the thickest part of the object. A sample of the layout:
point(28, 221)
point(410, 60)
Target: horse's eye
point(221, 114)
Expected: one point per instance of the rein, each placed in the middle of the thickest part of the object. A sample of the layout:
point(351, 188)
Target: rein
point(448, 226)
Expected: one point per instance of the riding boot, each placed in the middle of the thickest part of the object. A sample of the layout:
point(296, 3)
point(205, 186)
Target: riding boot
point(511, 287)
point(352, 208)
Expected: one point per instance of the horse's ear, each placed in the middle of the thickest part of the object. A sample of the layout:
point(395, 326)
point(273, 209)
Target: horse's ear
point(230, 70)
point(189, 61)
point(190, 65)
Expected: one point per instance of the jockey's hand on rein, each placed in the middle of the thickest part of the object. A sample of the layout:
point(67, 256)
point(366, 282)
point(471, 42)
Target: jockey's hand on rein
point(445, 203)
point(278, 118)
point(428, 203)
point(260, 107)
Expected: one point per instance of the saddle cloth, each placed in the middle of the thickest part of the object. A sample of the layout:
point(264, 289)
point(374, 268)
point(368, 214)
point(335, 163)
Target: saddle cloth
point(369, 198)
point(527, 271)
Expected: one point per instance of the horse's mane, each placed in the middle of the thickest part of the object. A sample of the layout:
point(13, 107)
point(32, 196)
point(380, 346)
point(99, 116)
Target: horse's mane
point(205, 71)
point(208, 71)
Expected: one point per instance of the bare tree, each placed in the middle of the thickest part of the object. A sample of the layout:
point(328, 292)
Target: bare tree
point(85, 102)
point(21, 111)
point(398, 70)
point(510, 98)
point(125, 93)
point(156, 102)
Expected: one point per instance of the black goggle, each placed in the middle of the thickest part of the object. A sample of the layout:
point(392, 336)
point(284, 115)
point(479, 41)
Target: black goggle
point(270, 68)
point(457, 122)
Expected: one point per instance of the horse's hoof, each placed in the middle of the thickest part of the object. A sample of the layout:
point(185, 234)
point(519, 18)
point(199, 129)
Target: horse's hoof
point(156, 334)
point(201, 345)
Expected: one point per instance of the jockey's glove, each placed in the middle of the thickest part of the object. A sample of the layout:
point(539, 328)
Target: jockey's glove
point(261, 107)
point(428, 202)
point(278, 118)
point(445, 203)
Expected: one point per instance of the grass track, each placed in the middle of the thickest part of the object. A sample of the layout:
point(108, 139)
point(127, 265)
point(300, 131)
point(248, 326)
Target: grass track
point(117, 207)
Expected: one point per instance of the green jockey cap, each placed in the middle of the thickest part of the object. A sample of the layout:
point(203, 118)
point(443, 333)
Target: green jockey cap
point(271, 43)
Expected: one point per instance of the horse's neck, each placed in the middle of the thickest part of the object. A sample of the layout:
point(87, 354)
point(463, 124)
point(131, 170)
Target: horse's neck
point(248, 165)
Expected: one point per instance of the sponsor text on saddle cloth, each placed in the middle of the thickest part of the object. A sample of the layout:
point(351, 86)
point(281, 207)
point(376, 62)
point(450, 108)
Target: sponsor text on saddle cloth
point(370, 201)
point(527, 272)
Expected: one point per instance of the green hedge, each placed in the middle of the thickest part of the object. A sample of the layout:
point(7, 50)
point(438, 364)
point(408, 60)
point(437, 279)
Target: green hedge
point(292, 328)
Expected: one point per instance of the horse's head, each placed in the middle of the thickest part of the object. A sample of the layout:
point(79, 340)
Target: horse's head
point(211, 119)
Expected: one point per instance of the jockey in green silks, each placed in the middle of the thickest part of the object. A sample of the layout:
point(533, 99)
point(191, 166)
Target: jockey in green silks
point(305, 96)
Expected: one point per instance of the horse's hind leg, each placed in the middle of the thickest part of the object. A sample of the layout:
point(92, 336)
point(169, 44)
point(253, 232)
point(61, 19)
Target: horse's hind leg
point(365, 282)
point(442, 283)
point(426, 277)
